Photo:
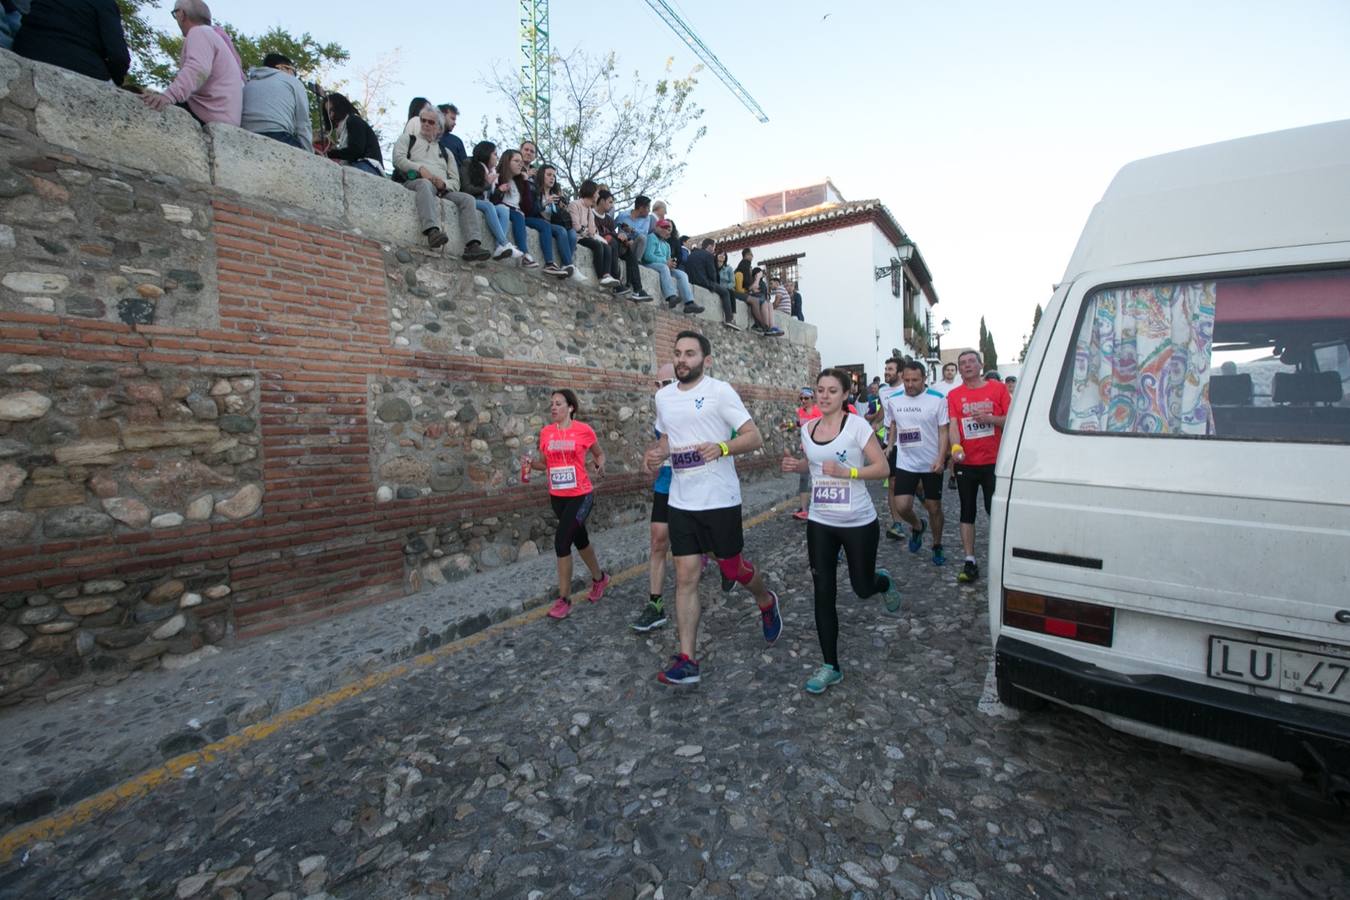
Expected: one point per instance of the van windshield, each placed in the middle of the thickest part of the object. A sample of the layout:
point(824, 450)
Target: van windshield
point(1262, 358)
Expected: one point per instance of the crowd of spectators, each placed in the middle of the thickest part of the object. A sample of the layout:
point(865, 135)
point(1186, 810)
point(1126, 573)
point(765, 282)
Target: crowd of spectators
point(514, 191)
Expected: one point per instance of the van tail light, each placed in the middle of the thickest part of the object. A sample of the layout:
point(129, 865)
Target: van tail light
point(1054, 616)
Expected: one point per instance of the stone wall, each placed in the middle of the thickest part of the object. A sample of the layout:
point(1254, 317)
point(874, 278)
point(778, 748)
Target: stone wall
point(236, 396)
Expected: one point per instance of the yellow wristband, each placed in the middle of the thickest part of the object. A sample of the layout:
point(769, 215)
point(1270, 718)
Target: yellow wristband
point(853, 472)
point(726, 451)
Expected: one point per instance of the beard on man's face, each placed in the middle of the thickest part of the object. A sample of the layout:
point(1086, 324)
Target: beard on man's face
point(687, 373)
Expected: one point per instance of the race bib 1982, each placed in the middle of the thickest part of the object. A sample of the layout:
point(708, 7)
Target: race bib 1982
point(908, 437)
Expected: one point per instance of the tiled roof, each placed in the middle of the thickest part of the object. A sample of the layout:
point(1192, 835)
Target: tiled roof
point(815, 216)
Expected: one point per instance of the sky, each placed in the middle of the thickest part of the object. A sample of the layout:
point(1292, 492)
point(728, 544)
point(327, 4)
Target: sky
point(988, 128)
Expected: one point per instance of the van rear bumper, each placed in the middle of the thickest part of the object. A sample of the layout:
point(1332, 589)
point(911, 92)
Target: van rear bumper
point(1314, 740)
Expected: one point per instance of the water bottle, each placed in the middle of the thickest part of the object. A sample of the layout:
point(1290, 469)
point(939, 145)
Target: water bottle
point(526, 464)
point(958, 453)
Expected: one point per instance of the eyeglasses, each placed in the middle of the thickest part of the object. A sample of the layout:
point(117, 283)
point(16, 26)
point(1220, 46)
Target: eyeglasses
point(428, 121)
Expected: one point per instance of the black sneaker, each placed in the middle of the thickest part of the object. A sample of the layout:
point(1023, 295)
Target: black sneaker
point(692, 309)
point(672, 302)
point(640, 296)
point(652, 616)
point(621, 290)
point(969, 572)
point(727, 584)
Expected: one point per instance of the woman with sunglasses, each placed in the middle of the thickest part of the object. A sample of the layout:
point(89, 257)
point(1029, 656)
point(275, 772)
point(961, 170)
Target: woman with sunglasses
point(563, 448)
point(841, 451)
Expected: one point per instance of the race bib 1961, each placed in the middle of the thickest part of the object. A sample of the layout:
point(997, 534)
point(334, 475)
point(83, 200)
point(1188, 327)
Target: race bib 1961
point(972, 430)
point(831, 493)
point(562, 478)
point(908, 437)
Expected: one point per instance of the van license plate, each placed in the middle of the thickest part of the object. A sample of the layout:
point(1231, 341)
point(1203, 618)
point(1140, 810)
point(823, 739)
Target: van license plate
point(1279, 668)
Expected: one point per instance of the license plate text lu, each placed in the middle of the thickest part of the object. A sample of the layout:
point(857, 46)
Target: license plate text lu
point(1280, 668)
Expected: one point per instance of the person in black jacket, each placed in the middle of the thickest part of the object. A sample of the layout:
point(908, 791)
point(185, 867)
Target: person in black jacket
point(702, 270)
point(353, 142)
point(83, 36)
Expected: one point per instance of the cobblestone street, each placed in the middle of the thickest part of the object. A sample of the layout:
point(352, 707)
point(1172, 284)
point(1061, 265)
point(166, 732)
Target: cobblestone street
point(548, 762)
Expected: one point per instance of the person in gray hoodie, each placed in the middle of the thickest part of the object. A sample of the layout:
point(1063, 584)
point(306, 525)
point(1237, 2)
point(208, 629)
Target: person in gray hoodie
point(275, 104)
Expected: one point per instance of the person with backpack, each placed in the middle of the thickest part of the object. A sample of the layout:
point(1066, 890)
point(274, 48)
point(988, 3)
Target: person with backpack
point(431, 173)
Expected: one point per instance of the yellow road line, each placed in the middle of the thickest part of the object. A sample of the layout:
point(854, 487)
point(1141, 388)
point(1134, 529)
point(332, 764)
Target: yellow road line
point(53, 826)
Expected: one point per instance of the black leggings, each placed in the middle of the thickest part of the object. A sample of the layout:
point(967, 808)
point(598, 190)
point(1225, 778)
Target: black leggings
point(969, 481)
point(571, 513)
point(822, 549)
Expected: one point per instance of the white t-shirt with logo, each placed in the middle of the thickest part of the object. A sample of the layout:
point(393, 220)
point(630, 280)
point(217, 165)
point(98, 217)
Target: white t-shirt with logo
point(944, 388)
point(840, 502)
point(916, 421)
point(706, 413)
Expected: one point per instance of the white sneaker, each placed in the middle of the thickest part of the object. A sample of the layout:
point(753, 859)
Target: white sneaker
point(608, 280)
point(527, 261)
point(504, 251)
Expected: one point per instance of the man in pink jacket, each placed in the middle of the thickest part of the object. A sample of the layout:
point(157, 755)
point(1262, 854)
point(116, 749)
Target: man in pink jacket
point(210, 81)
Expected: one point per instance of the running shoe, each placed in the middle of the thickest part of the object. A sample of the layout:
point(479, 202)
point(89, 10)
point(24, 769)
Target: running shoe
point(682, 670)
point(825, 676)
point(772, 620)
point(916, 537)
point(652, 616)
point(598, 587)
point(892, 593)
point(939, 558)
point(801, 515)
point(560, 609)
point(727, 584)
point(969, 572)
point(774, 332)
point(895, 532)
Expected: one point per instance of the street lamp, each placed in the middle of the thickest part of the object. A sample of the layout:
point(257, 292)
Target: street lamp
point(935, 348)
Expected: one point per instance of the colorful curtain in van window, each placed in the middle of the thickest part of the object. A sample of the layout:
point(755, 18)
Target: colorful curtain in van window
point(1141, 364)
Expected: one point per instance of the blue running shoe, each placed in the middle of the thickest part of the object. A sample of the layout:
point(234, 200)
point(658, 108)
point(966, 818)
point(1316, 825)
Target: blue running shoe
point(772, 620)
point(892, 593)
point(825, 676)
point(683, 670)
point(939, 558)
point(916, 537)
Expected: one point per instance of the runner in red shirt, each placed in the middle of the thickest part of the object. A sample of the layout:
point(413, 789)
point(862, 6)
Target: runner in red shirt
point(977, 410)
point(564, 445)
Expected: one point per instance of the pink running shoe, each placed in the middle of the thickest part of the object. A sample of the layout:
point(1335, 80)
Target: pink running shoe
point(598, 587)
point(560, 608)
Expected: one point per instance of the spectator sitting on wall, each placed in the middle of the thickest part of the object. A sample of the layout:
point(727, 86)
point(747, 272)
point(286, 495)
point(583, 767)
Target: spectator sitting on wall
point(84, 36)
point(530, 154)
point(551, 206)
point(658, 213)
point(210, 80)
point(782, 300)
point(587, 230)
point(451, 142)
point(431, 172)
point(352, 142)
point(477, 177)
point(635, 225)
point(741, 285)
point(275, 104)
point(796, 301)
point(760, 308)
point(726, 276)
point(701, 268)
point(623, 247)
point(674, 283)
point(11, 14)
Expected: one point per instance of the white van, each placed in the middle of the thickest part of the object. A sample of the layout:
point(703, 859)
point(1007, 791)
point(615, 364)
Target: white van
point(1170, 544)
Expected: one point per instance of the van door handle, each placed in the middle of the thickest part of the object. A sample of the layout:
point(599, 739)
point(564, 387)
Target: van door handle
point(1343, 616)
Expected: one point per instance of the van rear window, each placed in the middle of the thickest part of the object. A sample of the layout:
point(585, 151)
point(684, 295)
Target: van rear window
point(1259, 358)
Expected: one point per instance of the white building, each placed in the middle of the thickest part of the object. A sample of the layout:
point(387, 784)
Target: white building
point(833, 249)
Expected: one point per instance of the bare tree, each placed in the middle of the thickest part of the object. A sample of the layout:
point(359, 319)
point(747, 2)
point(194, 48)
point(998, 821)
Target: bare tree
point(627, 135)
point(371, 90)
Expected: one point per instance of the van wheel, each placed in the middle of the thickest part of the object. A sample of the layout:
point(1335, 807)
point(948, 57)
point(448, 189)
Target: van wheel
point(1014, 697)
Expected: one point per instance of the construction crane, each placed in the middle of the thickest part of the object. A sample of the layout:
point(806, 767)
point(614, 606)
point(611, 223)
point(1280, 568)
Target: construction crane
point(534, 65)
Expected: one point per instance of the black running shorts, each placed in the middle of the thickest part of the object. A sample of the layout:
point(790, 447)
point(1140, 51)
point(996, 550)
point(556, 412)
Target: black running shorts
point(660, 508)
point(715, 531)
point(903, 483)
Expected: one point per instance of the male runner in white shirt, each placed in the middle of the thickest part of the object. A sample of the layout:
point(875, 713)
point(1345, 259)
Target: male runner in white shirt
point(916, 426)
point(694, 416)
